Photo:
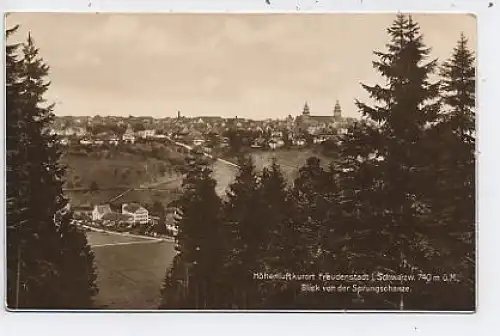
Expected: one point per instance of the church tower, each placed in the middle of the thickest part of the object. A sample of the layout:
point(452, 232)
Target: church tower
point(129, 130)
point(306, 111)
point(302, 121)
point(337, 112)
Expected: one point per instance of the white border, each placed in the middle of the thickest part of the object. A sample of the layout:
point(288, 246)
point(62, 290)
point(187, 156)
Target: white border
point(350, 324)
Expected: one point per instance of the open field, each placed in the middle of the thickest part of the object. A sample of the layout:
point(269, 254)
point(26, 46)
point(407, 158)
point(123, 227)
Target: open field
point(130, 270)
point(128, 167)
point(112, 167)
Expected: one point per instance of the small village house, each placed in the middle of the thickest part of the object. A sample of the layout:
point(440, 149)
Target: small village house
point(64, 141)
point(128, 136)
point(299, 142)
point(86, 142)
point(100, 210)
point(198, 142)
point(113, 140)
point(319, 139)
point(272, 144)
point(148, 133)
point(139, 213)
point(75, 131)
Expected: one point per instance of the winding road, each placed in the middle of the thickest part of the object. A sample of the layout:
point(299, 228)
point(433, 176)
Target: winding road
point(224, 171)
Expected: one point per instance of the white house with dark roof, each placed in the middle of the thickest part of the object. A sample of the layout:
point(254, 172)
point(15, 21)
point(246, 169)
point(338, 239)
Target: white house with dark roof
point(139, 213)
point(148, 133)
point(128, 136)
point(100, 210)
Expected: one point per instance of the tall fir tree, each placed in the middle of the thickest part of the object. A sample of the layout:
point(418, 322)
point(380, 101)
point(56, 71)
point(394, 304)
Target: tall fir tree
point(459, 91)
point(159, 210)
point(321, 229)
point(281, 242)
point(388, 154)
point(458, 123)
point(54, 263)
point(17, 182)
point(275, 211)
point(246, 235)
point(195, 279)
point(453, 195)
point(310, 210)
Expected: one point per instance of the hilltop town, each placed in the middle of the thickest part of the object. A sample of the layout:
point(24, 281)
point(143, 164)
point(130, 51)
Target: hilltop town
point(297, 131)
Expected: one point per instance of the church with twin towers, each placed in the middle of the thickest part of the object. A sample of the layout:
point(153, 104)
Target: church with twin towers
point(314, 124)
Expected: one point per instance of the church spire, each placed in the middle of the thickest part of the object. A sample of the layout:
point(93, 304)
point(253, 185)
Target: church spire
point(306, 111)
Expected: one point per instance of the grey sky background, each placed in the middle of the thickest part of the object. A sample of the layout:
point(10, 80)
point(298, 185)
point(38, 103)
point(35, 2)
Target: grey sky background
point(246, 65)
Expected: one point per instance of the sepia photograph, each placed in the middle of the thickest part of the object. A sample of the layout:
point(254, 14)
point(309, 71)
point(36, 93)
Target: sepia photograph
point(284, 162)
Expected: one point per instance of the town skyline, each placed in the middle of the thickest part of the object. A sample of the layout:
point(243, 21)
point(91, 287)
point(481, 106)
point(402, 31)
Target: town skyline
point(253, 66)
point(179, 114)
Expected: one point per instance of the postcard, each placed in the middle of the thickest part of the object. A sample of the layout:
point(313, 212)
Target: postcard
point(241, 162)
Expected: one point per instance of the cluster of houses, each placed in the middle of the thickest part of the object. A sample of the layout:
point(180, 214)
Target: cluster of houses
point(131, 213)
point(81, 136)
point(195, 131)
point(128, 215)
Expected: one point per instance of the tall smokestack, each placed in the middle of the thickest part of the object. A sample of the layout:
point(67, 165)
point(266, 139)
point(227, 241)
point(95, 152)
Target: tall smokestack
point(178, 114)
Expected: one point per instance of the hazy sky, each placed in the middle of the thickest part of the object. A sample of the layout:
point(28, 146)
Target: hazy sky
point(246, 65)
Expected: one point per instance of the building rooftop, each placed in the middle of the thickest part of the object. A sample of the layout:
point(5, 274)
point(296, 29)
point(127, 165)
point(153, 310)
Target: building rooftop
point(132, 207)
point(103, 209)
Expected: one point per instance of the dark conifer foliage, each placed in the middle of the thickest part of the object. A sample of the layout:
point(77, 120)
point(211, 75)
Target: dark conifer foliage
point(459, 90)
point(453, 199)
point(281, 241)
point(194, 281)
point(159, 210)
point(247, 235)
point(50, 263)
point(311, 205)
point(17, 183)
point(387, 155)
